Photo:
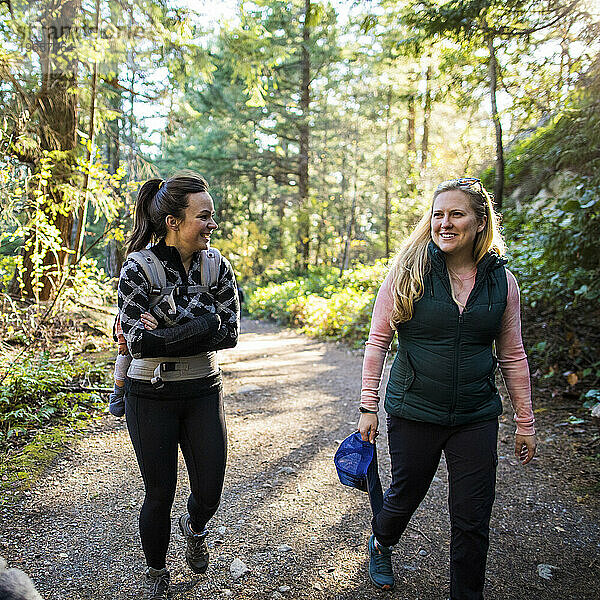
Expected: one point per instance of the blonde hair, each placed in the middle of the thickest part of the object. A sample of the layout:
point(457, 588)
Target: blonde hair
point(411, 264)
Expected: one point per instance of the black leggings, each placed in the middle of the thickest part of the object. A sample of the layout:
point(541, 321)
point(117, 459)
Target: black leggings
point(188, 414)
point(471, 459)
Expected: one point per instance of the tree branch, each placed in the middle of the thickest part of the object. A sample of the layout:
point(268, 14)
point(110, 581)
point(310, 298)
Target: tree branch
point(6, 74)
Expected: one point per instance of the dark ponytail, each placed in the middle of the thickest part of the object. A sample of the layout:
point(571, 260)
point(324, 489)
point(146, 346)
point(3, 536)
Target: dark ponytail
point(157, 199)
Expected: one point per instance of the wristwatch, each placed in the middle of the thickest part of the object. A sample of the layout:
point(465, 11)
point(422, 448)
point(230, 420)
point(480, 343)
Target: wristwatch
point(364, 410)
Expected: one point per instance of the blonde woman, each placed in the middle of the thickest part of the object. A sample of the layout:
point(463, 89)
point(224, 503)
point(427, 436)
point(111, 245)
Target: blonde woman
point(451, 300)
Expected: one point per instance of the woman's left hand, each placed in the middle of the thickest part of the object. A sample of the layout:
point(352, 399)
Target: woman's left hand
point(525, 446)
point(148, 321)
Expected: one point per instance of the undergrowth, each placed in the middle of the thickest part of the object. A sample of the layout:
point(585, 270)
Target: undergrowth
point(35, 393)
point(324, 305)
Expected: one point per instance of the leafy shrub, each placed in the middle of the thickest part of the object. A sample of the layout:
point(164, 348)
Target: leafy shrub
point(8, 265)
point(343, 316)
point(322, 306)
point(366, 278)
point(91, 283)
point(316, 278)
point(270, 302)
point(554, 248)
point(34, 394)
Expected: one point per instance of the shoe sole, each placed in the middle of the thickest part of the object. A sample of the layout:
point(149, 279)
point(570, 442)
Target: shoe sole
point(189, 564)
point(195, 569)
point(386, 587)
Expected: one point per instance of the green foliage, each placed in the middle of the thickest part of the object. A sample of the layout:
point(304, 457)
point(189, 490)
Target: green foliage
point(8, 264)
point(365, 278)
point(315, 279)
point(337, 309)
point(592, 397)
point(552, 229)
point(20, 468)
point(33, 394)
point(554, 247)
point(553, 234)
point(344, 316)
point(271, 300)
point(91, 284)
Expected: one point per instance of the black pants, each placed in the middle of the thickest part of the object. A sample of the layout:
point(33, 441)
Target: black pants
point(471, 458)
point(188, 414)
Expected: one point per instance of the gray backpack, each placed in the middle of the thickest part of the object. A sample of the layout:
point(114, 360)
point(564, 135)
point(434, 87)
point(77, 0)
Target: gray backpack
point(210, 265)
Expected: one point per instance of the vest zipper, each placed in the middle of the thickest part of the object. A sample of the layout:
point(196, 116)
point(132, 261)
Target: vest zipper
point(456, 364)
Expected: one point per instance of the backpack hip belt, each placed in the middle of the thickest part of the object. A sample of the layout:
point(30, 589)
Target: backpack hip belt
point(160, 369)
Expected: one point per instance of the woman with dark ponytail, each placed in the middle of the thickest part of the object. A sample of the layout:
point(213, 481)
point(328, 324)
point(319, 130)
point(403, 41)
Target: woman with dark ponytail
point(173, 387)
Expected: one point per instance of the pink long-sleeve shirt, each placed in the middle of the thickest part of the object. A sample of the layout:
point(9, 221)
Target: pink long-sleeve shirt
point(509, 352)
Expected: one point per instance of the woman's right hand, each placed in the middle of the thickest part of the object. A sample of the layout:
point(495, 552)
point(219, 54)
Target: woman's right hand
point(149, 321)
point(367, 426)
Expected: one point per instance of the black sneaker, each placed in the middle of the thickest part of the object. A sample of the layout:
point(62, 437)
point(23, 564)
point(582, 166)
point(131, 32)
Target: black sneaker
point(156, 584)
point(196, 552)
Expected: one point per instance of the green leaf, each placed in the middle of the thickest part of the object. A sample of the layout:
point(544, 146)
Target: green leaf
point(571, 205)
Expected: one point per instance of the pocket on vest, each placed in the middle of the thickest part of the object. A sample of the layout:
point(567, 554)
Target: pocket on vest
point(402, 374)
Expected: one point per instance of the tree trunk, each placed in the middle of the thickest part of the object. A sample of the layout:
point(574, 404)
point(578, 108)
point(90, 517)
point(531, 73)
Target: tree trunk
point(114, 258)
point(113, 133)
point(83, 209)
point(386, 180)
point(350, 226)
point(57, 117)
point(131, 157)
point(349, 231)
point(341, 227)
point(324, 200)
point(303, 247)
point(493, 84)
point(114, 99)
point(426, 117)
point(411, 140)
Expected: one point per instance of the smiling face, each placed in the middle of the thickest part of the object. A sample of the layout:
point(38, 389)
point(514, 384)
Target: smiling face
point(454, 224)
point(193, 232)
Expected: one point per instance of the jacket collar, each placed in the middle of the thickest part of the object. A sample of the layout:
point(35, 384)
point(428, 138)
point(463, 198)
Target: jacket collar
point(171, 256)
point(488, 263)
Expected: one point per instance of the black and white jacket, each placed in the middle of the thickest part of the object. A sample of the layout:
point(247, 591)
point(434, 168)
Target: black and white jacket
point(212, 318)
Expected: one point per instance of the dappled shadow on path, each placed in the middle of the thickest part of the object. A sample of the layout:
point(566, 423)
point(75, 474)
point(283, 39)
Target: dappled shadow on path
point(283, 511)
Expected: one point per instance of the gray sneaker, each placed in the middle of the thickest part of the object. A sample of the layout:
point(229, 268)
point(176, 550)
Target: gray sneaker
point(156, 584)
point(196, 552)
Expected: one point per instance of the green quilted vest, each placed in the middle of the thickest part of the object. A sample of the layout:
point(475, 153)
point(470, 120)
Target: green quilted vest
point(444, 370)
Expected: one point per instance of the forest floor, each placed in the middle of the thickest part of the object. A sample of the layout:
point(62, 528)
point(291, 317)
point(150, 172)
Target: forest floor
point(289, 401)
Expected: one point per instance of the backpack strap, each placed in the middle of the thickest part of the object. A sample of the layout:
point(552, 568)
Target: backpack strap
point(155, 273)
point(210, 267)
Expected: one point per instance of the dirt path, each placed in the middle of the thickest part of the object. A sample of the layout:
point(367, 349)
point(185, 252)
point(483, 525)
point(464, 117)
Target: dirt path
point(284, 514)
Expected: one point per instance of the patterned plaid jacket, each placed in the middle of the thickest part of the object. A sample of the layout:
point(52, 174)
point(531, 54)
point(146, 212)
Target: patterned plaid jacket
point(133, 296)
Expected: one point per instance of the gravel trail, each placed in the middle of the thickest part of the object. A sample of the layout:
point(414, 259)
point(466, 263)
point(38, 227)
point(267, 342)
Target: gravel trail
point(289, 401)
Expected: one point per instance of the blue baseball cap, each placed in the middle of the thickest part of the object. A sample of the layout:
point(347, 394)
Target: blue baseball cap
point(356, 464)
point(352, 460)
